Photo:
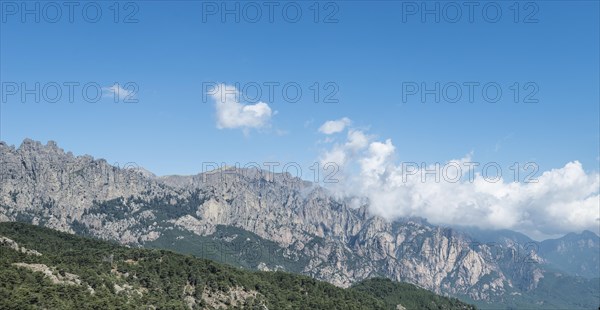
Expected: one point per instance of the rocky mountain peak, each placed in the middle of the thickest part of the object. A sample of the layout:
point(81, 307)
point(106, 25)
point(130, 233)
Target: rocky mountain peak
point(319, 234)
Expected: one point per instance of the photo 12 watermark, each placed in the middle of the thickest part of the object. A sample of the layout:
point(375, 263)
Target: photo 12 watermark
point(271, 91)
point(451, 12)
point(469, 92)
point(72, 177)
point(324, 12)
point(454, 172)
point(317, 172)
point(490, 252)
point(69, 91)
point(51, 12)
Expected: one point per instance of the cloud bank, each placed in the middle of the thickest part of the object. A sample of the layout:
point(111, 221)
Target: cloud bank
point(562, 200)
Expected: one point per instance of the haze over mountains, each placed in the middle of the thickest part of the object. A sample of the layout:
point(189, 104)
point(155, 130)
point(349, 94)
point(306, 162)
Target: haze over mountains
point(269, 221)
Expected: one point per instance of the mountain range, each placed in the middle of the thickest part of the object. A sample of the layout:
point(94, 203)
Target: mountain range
point(257, 220)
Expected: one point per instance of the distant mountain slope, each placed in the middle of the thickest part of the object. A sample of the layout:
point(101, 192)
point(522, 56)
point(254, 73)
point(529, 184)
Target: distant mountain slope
point(70, 272)
point(501, 236)
point(573, 254)
point(255, 219)
point(577, 254)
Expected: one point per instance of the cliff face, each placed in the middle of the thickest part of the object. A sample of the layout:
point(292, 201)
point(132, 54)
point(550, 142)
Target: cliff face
point(42, 184)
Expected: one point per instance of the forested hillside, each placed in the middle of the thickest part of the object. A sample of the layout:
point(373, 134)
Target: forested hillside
point(42, 268)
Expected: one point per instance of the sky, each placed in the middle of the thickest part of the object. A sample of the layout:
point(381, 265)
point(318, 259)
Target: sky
point(175, 85)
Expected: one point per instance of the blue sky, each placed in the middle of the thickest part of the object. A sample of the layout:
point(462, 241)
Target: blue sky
point(369, 53)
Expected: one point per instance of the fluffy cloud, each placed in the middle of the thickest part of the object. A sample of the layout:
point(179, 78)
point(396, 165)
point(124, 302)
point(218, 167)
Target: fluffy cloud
point(562, 200)
point(339, 153)
point(118, 92)
point(331, 127)
point(356, 140)
point(231, 113)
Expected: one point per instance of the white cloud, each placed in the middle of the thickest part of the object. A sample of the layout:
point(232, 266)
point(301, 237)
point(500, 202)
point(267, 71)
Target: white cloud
point(336, 155)
point(233, 114)
point(356, 140)
point(339, 154)
point(118, 92)
point(563, 200)
point(378, 157)
point(331, 127)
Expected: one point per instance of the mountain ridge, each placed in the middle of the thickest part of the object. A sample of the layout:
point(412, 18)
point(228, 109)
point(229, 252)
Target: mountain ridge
point(338, 243)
